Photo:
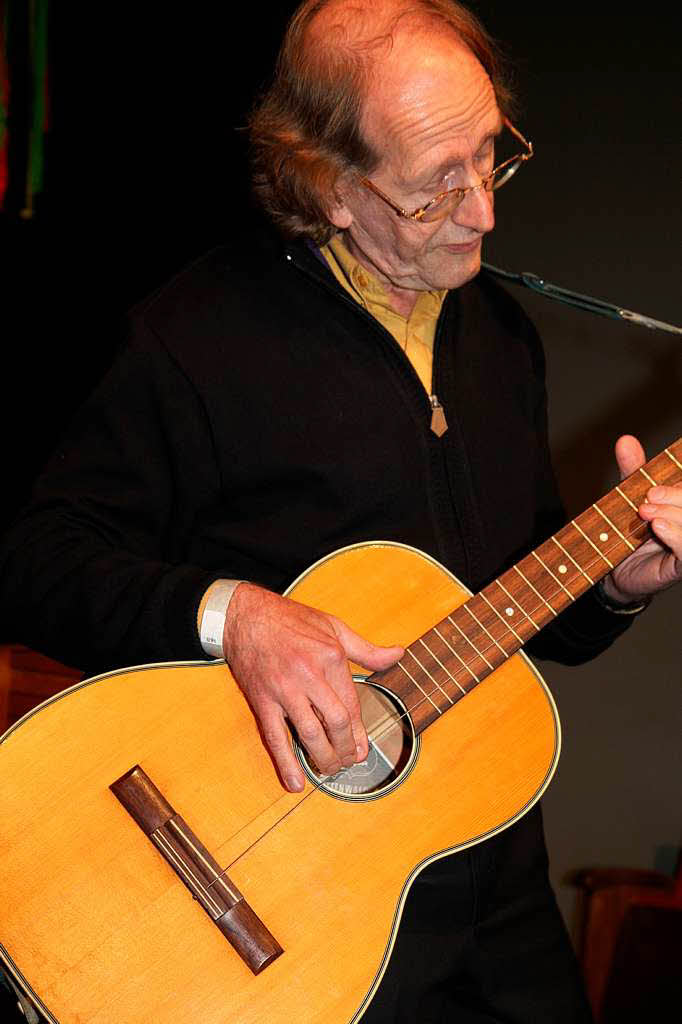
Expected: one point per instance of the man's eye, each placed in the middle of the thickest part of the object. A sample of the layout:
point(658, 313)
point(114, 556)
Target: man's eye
point(485, 157)
point(449, 182)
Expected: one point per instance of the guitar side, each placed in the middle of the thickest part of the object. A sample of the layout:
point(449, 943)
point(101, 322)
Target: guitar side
point(98, 926)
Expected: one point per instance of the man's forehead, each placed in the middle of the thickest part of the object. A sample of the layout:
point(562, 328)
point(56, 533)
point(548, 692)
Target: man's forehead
point(428, 92)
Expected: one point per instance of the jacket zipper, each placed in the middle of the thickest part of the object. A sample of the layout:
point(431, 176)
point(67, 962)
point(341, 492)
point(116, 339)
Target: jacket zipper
point(439, 424)
point(436, 409)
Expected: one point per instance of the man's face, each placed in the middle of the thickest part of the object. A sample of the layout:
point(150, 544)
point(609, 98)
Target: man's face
point(432, 113)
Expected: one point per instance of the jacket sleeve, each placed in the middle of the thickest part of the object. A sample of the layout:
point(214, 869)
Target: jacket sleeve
point(96, 571)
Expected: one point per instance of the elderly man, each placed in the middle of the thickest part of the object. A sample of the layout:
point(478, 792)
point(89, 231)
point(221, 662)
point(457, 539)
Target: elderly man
point(357, 380)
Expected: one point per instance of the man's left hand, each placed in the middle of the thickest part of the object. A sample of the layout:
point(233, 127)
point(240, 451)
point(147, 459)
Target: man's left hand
point(657, 564)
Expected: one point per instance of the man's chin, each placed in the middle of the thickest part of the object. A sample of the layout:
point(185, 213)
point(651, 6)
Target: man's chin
point(460, 268)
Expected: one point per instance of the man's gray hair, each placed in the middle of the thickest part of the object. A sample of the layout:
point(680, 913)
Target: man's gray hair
point(306, 130)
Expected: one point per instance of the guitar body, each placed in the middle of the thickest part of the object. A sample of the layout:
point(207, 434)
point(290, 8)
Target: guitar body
point(98, 928)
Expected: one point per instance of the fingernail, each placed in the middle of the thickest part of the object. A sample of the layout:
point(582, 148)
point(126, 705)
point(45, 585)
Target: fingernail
point(294, 784)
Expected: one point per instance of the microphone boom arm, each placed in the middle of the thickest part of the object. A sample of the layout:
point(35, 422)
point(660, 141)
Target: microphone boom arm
point(592, 305)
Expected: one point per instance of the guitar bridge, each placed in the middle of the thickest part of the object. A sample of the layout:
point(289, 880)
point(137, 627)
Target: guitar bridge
point(195, 866)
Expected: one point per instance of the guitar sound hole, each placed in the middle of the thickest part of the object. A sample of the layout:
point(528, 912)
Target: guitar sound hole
point(393, 749)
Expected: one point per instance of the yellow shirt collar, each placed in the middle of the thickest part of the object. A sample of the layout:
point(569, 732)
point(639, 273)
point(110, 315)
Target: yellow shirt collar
point(415, 334)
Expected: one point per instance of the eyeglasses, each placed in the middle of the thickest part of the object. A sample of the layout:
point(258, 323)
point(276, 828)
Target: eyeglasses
point(445, 202)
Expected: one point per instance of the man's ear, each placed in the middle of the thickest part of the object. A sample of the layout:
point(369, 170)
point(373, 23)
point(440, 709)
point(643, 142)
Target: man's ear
point(340, 216)
point(339, 213)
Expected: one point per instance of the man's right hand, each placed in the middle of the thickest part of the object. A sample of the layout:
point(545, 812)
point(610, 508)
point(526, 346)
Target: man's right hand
point(291, 662)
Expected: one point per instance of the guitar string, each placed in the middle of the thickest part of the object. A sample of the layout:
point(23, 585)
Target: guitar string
point(394, 722)
point(391, 722)
point(316, 786)
point(589, 565)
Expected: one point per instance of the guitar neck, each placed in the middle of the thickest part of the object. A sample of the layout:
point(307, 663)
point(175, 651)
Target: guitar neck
point(452, 657)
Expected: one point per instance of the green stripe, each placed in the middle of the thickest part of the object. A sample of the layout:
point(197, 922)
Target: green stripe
point(38, 57)
point(4, 101)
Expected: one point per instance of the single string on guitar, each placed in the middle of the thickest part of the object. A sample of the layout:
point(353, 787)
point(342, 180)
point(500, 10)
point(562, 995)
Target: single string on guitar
point(315, 788)
point(390, 723)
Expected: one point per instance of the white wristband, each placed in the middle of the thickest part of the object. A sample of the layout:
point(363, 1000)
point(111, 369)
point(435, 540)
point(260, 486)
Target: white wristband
point(213, 618)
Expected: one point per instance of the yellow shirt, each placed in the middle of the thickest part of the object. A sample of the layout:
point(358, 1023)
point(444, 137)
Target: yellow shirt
point(415, 334)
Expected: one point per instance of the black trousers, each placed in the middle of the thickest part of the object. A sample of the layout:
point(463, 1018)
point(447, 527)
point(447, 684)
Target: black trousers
point(482, 941)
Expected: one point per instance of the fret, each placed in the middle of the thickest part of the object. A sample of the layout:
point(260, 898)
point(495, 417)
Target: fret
point(610, 530)
point(426, 671)
point(464, 664)
point(568, 575)
point(456, 657)
point(592, 545)
point(671, 456)
point(625, 498)
point(613, 527)
point(435, 657)
point(624, 519)
point(399, 683)
point(535, 591)
point(421, 710)
point(473, 646)
point(562, 569)
point(665, 467)
point(570, 557)
point(422, 691)
point(467, 608)
point(422, 715)
point(511, 597)
point(633, 490)
point(647, 477)
point(505, 621)
point(492, 624)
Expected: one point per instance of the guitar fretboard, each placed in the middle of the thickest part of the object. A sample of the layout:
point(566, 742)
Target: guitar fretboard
point(452, 657)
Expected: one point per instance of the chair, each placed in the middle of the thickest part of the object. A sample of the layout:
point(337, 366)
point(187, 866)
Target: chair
point(631, 948)
point(27, 679)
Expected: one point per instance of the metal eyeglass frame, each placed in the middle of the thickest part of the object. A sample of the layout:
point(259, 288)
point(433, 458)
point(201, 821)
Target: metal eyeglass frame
point(456, 195)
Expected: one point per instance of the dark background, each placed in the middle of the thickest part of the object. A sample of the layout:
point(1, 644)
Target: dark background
point(146, 169)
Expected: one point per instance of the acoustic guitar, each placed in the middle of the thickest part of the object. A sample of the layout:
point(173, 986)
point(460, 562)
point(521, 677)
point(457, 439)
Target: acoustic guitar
point(126, 795)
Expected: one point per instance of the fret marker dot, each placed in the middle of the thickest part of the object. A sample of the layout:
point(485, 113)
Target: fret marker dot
point(563, 569)
point(603, 537)
point(509, 611)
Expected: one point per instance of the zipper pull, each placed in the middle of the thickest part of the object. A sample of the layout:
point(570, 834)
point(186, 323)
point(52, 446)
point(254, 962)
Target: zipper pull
point(438, 422)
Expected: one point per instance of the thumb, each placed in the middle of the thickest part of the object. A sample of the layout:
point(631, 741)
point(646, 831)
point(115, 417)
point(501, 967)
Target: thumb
point(629, 455)
point(363, 652)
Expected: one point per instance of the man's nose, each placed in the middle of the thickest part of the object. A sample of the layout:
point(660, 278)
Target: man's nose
point(476, 211)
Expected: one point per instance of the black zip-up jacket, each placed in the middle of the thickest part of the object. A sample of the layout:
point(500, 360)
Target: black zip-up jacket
point(257, 420)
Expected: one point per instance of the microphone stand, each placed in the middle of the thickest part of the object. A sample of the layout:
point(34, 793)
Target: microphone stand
point(553, 291)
